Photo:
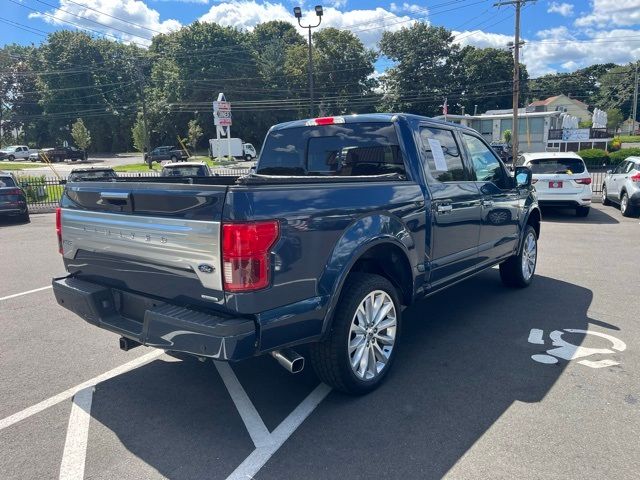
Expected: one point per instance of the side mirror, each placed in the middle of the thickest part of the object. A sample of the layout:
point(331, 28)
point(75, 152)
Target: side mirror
point(609, 171)
point(522, 176)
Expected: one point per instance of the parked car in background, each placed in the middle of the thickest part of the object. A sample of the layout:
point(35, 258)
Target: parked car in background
point(622, 186)
point(59, 154)
point(13, 199)
point(186, 169)
point(561, 180)
point(172, 153)
point(91, 174)
point(346, 220)
point(14, 152)
point(503, 150)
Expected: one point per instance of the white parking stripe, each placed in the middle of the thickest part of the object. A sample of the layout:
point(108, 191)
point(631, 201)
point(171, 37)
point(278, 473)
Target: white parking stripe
point(49, 402)
point(25, 293)
point(75, 446)
point(254, 462)
point(250, 416)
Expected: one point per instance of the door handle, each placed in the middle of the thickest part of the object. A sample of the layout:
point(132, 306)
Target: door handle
point(487, 203)
point(444, 208)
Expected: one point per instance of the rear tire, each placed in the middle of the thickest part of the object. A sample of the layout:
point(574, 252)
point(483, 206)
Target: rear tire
point(605, 199)
point(355, 338)
point(582, 211)
point(247, 158)
point(11, 158)
point(174, 159)
point(626, 209)
point(24, 218)
point(514, 273)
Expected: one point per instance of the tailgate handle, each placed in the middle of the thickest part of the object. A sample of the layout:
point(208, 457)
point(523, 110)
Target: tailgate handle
point(117, 199)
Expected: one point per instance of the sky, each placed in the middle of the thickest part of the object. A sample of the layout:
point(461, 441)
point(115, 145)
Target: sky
point(560, 36)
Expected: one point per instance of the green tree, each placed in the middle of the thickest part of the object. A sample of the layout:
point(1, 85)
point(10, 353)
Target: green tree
point(426, 69)
point(507, 136)
point(486, 79)
point(81, 136)
point(139, 135)
point(616, 89)
point(614, 118)
point(581, 84)
point(194, 133)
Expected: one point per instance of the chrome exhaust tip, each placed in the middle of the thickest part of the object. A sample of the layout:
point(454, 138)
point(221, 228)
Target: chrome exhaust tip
point(289, 359)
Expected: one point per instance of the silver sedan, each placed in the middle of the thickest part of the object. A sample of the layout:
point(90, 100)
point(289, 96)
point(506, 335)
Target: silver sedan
point(622, 186)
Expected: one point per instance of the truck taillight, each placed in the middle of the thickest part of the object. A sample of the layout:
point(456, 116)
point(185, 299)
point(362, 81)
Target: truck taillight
point(59, 228)
point(635, 178)
point(583, 181)
point(245, 254)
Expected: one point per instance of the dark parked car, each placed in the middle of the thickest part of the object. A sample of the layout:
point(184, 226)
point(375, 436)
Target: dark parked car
point(503, 150)
point(346, 220)
point(160, 154)
point(59, 154)
point(13, 199)
point(91, 174)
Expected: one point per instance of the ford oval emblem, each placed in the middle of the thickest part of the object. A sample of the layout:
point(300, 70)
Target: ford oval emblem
point(205, 268)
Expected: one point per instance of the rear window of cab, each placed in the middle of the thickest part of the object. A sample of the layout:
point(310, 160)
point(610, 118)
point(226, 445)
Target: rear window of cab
point(347, 149)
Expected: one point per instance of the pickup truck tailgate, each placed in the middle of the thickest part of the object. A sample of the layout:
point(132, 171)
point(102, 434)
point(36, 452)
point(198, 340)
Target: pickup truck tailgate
point(159, 239)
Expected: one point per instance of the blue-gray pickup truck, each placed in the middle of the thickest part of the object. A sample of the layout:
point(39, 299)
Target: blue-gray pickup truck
point(343, 222)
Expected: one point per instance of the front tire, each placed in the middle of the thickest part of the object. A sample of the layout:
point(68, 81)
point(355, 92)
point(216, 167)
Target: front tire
point(518, 270)
point(605, 198)
point(11, 158)
point(362, 342)
point(174, 159)
point(247, 158)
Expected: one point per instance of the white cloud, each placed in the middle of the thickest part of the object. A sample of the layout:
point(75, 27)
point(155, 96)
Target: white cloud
point(407, 7)
point(559, 48)
point(611, 12)
point(183, 1)
point(564, 9)
point(98, 15)
point(368, 25)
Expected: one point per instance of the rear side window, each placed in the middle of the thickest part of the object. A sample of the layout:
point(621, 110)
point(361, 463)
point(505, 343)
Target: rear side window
point(351, 149)
point(187, 171)
point(6, 182)
point(442, 156)
point(557, 165)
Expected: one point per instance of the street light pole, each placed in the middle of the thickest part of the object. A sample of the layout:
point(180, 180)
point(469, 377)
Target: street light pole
point(297, 11)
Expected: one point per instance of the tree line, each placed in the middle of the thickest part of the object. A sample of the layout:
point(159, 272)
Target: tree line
point(46, 88)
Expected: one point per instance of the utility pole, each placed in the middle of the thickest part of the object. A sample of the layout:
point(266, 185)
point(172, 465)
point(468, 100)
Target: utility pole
point(145, 123)
point(516, 71)
point(635, 103)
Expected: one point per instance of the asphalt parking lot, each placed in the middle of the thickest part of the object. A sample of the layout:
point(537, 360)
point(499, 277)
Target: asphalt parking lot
point(488, 382)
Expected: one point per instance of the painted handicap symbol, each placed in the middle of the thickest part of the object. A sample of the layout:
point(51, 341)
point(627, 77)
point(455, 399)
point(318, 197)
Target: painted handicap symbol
point(569, 351)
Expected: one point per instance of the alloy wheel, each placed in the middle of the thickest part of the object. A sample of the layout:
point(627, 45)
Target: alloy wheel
point(529, 256)
point(372, 335)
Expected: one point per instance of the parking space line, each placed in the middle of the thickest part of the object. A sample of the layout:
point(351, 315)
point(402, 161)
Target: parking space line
point(75, 445)
point(49, 402)
point(253, 422)
point(25, 293)
point(261, 455)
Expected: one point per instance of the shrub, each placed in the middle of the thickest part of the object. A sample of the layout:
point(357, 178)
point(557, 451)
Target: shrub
point(615, 144)
point(594, 157)
point(620, 155)
point(34, 187)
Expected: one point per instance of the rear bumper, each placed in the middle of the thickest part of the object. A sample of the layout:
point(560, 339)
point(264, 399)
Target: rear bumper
point(158, 324)
point(564, 203)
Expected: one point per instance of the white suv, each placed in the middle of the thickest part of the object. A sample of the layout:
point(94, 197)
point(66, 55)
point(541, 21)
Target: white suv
point(561, 179)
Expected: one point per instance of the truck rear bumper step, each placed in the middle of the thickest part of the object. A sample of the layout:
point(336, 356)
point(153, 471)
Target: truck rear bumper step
point(160, 325)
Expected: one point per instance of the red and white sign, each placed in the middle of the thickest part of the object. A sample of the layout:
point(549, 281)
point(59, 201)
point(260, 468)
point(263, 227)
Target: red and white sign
point(222, 113)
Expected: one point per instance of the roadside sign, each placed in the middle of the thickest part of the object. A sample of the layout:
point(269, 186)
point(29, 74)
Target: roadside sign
point(222, 113)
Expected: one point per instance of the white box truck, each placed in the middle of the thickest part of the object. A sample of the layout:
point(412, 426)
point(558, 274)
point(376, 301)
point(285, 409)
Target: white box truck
point(239, 149)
